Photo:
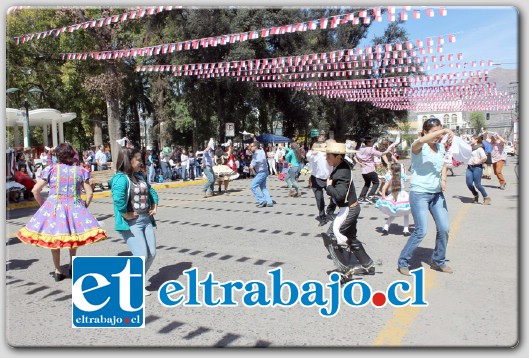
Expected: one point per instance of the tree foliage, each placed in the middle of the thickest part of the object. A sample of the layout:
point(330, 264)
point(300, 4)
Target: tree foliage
point(477, 120)
point(109, 97)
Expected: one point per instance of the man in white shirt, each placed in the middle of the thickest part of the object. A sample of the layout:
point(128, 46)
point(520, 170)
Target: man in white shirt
point(278, 156)
point(320, 172)
point(101, 158)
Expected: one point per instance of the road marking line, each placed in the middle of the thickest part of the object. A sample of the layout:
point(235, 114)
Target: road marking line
point(397, 327)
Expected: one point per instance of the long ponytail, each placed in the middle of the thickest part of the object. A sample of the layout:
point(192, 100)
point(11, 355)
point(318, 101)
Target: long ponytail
point(395, 180)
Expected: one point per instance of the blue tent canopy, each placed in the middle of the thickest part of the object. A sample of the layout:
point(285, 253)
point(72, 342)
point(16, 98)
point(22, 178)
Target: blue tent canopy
point(269, 138)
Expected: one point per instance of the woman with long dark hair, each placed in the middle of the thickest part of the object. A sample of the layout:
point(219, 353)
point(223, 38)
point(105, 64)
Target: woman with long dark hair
point(295, 161)
point(427, 184)
point(63, 220)
point(135, 204)
point(475, 170)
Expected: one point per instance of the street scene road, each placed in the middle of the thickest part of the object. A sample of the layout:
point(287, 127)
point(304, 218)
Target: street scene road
point(227, 235)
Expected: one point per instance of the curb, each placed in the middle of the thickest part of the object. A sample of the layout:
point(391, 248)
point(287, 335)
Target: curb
point(104, 194)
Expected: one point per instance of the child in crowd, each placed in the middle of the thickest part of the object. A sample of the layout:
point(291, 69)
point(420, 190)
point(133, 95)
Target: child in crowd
point(397, 203)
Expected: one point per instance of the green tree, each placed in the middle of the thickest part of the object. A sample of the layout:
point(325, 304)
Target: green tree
point(185, 107)
point(477, 121)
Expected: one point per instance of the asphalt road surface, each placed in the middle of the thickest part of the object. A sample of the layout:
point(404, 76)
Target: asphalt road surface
point(227, 235)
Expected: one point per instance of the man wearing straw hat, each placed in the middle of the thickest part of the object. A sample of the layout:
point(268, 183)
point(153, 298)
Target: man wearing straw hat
point(341, 188)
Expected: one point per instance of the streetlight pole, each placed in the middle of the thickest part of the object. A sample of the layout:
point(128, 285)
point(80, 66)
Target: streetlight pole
point(195, 135)
point(26, 106)
point(34, 91)
point(144, 132)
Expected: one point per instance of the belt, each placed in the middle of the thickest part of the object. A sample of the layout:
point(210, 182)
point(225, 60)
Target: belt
point(354, 204)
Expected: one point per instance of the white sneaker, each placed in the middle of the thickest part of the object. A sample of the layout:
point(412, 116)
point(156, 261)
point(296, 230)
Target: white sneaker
point(146, 293)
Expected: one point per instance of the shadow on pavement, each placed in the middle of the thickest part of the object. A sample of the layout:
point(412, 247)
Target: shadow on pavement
point(420, 255)
point(167, 273)
point(19, 264)
point(464, 199)
point(13, 241)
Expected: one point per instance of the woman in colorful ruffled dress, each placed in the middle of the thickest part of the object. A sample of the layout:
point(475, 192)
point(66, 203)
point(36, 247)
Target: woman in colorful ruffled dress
point(397, 203)
point(63, 220)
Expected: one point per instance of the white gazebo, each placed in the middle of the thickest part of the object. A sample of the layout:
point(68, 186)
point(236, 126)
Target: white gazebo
point(43, 117)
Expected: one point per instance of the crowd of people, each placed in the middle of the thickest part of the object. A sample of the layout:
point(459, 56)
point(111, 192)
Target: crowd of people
point(64, 221)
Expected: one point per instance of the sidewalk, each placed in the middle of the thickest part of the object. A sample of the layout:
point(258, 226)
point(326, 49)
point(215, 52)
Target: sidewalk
point(106, 193)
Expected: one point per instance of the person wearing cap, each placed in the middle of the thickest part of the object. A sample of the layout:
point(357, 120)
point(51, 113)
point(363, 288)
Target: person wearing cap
point(320, 172)
point(260, 164)
point(341, 189)
point(365, 157)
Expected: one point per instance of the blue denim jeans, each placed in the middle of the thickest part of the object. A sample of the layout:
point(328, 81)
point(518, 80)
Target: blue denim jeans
point(420, 204)
point(166, 169)
point(192, 171)
point(291, 178)
point(211, 180)
point(198, 171)
point(140, 238)
point(152, 173)
point(183, 171)
point(259, 182)
point(474, 178)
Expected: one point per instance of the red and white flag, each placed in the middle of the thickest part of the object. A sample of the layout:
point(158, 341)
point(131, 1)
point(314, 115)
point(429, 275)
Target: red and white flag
point(323, 23)
point(442, 11)
point(451, 38)
point(416, 14)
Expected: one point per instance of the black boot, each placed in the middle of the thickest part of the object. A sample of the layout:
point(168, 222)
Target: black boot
point(360, 253)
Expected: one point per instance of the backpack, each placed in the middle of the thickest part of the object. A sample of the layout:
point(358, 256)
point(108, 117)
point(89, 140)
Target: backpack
point(160, 178)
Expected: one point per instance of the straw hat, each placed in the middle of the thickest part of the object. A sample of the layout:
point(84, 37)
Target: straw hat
point(336, 148)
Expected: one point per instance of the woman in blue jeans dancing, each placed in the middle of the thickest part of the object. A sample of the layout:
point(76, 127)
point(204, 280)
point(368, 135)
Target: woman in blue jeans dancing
point(475, 170)
point(295, 161)
point(427, 184)
point(135, 203)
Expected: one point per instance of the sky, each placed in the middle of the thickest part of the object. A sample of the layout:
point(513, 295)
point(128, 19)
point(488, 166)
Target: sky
point(482, 32)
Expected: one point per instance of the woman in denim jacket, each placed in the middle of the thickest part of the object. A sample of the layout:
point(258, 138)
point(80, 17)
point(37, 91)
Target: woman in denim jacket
point(135, 204)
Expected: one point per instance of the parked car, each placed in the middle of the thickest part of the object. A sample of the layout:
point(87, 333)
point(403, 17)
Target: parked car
point(509, 148)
